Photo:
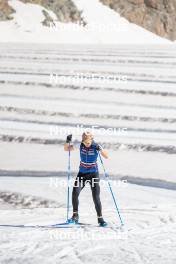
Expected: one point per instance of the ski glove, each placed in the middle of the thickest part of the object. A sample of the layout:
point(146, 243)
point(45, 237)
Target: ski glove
point(99, 148)
point(69, 138)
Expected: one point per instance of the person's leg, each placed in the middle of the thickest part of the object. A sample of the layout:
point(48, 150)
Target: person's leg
point(95, 187)
point(78, 186)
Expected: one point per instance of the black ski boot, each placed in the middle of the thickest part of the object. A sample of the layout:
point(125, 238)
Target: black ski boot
point(101, 222)
point(74, 219)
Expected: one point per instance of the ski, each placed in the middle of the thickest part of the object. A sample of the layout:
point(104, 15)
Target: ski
point(61, 225)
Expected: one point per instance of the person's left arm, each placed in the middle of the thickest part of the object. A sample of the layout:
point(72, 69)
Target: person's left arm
point(102, 151)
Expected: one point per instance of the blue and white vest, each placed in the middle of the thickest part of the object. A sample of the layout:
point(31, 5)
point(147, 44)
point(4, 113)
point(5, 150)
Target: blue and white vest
point(88, 158)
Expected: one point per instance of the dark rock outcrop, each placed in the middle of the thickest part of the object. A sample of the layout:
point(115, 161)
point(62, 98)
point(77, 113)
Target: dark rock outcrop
point(157, 16)
point(5, 10)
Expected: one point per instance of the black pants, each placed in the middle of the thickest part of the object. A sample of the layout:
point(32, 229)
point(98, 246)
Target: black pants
point(80, 182)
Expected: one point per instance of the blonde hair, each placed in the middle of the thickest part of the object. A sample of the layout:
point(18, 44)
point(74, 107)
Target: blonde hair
point(87, 136)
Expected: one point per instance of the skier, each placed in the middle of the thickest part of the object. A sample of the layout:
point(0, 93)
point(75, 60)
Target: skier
point(88, 172)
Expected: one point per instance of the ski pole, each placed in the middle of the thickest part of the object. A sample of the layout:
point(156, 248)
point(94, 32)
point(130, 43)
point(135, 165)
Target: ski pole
point(68, 182)
point(111, 191)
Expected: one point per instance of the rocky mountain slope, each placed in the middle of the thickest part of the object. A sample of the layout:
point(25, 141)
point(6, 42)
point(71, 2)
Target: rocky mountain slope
point(157, 16)
point(5, 10)
point(65, 10)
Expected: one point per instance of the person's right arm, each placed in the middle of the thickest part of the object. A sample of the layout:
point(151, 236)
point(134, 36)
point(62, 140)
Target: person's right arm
point(67, 144)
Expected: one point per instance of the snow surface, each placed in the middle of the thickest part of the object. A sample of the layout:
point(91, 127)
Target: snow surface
point(147, 237)
point(33, 165)
point(103, 26)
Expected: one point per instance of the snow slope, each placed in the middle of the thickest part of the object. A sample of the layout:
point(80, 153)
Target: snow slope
point(148, 237)
point(103, 26)
point(30, 106)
